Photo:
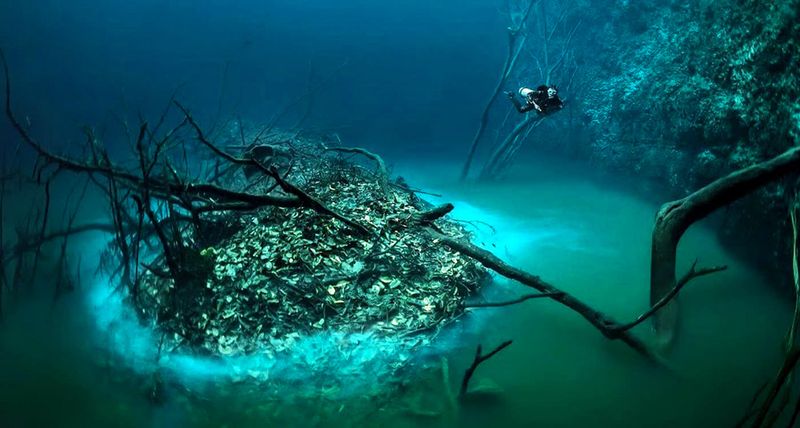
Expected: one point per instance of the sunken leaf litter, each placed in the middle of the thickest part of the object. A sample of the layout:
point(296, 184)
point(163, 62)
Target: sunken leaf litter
point(276, 275)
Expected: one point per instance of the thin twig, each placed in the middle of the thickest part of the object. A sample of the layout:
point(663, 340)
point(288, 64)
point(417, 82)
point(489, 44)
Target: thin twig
point(512, 302)
point(38, 250)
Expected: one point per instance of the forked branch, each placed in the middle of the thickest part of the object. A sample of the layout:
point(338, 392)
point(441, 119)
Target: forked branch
point(478, 360)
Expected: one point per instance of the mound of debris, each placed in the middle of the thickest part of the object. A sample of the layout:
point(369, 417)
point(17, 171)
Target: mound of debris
point(276, 274)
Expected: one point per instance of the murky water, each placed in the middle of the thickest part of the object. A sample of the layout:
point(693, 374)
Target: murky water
point(580, 234)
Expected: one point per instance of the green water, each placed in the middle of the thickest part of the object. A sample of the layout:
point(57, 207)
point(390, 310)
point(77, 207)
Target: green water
point(584, 235)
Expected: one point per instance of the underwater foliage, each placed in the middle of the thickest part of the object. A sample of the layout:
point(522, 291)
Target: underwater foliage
point(280, 275)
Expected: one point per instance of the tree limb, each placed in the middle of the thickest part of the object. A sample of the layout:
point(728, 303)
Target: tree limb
point(512, 302)
point(22, 247)
point(378, 160)
point(511, 59)
point(606, 325)
point(479, 358)
point(429, 216)
point(787, 368)
point(3, 280)
point(675, 217)
point(313, 203)
point(692, 274)
point(491, 168)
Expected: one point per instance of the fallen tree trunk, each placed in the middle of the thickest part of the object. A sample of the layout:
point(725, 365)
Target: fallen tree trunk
point(675, 217)
point(607, 326)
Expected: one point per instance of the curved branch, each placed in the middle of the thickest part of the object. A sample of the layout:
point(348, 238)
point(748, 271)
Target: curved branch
point(692, 274)
point(378, 160)
point(426, 217)
point(675, 217)
point(605, 324)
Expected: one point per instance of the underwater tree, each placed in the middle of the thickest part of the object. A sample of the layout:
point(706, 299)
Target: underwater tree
point(550, 60)
point(518, 13)
point(540, 37)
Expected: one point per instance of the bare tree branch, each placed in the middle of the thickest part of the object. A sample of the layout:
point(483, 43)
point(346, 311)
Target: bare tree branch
point(45, 218)
point(512, 302)
point(478, 360)
point(606, 325)
point(429, 216)
point(675, 217)
point(3, 280)
point(789, 364)
point(511, 59)
point(315, 204)
point(692, 274)
point(375, 157)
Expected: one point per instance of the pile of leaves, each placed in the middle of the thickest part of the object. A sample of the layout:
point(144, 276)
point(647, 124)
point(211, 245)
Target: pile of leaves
point(283, 273)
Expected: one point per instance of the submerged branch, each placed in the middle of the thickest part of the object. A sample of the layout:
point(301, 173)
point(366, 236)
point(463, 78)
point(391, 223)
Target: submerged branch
point(313, 203)
point(692, 274)
point(429, 216)
point(514, 301)
point(511, 59)
point(3, 280)
point(358, 150)
point(478, 360)
point(784, 379)
point(789, 364)
point(674, 218)
point(606, 325)
point(26, 246)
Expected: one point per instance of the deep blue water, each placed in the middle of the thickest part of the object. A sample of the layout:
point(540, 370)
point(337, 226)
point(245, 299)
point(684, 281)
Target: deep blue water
point(415, 70)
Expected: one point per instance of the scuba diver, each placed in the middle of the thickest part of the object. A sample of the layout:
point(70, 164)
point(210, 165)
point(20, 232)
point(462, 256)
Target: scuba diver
point(544, 99)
